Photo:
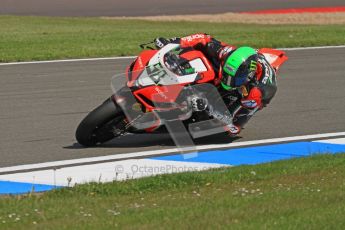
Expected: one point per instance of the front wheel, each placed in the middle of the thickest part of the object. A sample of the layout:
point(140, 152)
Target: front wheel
point(98, 126)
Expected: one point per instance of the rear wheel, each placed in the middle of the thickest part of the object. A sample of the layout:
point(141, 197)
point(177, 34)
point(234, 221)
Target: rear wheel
point(100, 124)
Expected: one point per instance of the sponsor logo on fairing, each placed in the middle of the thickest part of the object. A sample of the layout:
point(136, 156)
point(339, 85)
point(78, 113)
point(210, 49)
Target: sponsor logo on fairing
point(161, 93)
point(193, 37)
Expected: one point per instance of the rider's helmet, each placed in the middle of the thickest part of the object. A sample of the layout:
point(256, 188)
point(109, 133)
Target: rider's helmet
point(239, 68)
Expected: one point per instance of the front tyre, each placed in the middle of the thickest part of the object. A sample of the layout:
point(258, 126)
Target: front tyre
point(98, 126)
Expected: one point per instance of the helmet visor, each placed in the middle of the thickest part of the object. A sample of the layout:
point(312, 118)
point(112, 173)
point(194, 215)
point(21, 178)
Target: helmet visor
point(243, 75)
point(240, 78)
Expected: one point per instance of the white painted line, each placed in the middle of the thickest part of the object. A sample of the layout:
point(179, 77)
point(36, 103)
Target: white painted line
point(311, 48)
point(64, 163)
point(107, 172)
point(66, 60)
point(131, 57)
point(340, 141)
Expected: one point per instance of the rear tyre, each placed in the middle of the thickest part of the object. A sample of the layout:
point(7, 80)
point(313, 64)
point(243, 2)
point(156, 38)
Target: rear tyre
point(98, 126)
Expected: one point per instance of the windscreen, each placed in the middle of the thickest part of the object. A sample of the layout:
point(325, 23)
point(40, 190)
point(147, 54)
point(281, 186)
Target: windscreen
point(178, 65)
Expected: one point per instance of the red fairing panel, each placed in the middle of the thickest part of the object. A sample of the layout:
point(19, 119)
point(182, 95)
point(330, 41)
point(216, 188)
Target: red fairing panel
point(138, 65)
point(157, 94)
point(275, 57)
point(195, 39)
point(171, 92)
point(206, 76)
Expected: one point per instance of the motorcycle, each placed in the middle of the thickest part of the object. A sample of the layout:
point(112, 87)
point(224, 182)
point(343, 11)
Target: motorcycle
point(155, 96)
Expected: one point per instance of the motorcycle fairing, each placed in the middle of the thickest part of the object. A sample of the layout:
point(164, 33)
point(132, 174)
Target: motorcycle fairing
point(138, 65)
point(155, 83)
point(275, 57)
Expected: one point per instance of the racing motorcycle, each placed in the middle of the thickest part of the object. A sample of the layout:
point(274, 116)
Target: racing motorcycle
point(157, 86)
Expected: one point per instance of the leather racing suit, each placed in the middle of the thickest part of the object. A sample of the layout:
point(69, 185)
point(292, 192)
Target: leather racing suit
point(250, 98)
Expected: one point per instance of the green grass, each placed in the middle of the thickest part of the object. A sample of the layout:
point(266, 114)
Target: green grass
point(44, 38)
point(305, 193)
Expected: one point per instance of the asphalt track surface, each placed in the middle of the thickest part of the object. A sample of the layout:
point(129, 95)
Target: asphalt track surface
point(42, 104)
point(149, 7)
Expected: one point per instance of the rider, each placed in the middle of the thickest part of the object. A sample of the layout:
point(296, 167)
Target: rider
point(241, 72)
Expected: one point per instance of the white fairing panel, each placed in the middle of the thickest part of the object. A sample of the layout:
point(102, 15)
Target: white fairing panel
point(270, 57)
point(198, 65)
point(145, 80)
point(164, 76)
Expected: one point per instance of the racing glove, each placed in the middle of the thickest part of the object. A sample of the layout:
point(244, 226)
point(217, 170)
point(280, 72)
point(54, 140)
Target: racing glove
point(160, 42)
